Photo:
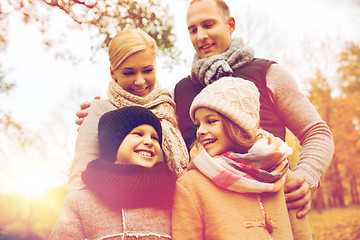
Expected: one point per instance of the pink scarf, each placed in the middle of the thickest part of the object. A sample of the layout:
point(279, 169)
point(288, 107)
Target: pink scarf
point(261, 169)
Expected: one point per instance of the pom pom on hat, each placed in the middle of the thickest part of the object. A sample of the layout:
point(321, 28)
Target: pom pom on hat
point(115, 125)
point(235, 98)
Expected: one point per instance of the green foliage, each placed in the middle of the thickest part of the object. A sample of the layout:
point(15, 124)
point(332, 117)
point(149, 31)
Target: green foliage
point(104, 18)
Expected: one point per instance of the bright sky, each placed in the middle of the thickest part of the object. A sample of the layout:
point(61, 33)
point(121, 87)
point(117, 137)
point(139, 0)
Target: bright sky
point(45, 97)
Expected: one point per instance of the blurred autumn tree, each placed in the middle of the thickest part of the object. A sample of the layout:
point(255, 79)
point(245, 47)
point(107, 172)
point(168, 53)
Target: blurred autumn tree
point(349, 143)
point(4, 86)
point(99, 19)
point(102, 18)
point(342, 113)
point(5, 120)
point(30, 218)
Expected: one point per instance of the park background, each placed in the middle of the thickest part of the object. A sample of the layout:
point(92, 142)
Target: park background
point(53, 56)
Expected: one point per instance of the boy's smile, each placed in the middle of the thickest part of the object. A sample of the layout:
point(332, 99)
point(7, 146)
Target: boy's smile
point(141, 147)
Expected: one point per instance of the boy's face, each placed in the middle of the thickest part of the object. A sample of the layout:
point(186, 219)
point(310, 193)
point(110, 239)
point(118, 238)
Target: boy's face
point(140, 147)
point(210, 132)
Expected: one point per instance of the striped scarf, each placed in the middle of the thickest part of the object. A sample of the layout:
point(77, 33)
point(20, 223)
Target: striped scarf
point(261, 169)
point(207, 70)
point(159, 101)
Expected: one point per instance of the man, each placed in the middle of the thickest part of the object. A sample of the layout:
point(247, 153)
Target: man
point(210, 26)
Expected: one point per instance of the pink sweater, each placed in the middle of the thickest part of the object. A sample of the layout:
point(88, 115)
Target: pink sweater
point(302, 119)
point(84, 216)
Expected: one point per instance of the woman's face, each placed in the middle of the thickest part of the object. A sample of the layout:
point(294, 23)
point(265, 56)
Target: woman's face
point(210, 132)
point(136, 74)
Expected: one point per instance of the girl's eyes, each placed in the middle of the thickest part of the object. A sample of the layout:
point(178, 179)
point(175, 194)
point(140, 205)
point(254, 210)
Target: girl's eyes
point(155, 138)
point(211, 121)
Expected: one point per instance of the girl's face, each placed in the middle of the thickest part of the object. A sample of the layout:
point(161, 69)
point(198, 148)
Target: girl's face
point(136, 74)
point(140, 147)
point(210, 132)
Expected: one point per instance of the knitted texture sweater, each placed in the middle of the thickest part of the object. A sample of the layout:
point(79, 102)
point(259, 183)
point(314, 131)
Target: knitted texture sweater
point(119, 202)
point(85, 216)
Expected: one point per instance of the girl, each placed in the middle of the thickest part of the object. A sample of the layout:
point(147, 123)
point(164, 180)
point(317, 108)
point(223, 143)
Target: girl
point(234, 186)
point(132, 56)
point(129, 190)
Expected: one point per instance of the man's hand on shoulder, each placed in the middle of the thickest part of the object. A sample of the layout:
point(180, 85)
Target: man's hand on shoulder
point(297, 194)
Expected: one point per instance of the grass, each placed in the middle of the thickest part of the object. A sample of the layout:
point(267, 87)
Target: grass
point(336, 224)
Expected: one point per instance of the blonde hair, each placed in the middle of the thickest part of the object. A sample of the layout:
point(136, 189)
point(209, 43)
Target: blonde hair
point(128, 42)
point(242, 140)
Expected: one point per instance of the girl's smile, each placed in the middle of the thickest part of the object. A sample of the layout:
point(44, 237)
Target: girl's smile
point(210, 132)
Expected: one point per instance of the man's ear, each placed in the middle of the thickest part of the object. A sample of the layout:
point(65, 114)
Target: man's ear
point(231, 23)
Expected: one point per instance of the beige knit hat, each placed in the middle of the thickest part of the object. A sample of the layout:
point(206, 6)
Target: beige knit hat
point(235, 98)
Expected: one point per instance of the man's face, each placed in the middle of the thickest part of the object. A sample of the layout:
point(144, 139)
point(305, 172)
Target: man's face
point(210, 32)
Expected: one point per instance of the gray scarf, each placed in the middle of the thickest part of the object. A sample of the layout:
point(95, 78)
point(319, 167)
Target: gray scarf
point(207, 70)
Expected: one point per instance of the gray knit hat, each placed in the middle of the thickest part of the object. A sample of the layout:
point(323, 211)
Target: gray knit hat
point(115, 125)
point(235, 98)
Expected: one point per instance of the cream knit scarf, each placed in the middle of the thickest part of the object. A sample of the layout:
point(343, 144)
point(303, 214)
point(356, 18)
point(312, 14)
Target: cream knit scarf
point(261, 169)
point(207, 70)
point(159, 101)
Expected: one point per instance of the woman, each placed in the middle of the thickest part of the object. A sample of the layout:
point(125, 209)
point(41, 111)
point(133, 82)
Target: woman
point(132, 55)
